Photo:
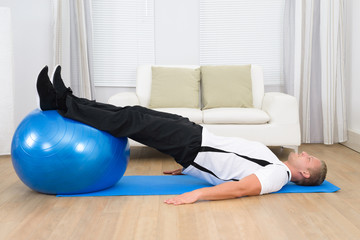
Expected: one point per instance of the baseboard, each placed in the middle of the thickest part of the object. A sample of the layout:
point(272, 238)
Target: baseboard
point(353, 141)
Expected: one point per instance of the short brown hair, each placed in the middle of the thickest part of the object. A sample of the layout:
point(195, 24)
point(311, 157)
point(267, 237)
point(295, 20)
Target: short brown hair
point(317, 176)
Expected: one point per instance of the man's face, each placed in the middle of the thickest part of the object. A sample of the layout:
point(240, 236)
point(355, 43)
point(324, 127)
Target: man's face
point(304, 161)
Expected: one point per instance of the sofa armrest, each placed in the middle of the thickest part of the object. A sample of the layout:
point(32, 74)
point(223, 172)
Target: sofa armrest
point(124, 99)
point(282, 108)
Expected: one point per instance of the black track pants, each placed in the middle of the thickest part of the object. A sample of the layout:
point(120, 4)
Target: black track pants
point(169, 133)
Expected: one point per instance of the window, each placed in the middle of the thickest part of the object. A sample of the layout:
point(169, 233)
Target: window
point(123, 38)
point(243, 32)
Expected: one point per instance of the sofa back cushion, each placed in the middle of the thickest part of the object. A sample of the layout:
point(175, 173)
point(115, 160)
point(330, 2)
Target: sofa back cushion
point(226, 86)
point(175, 87)
point(144, 81)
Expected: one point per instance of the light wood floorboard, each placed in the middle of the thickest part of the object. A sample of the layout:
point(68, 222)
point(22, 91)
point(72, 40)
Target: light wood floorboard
point(25, 214)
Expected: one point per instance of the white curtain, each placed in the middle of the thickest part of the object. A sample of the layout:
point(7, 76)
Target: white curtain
point(73, 44)
point(6, 81)
point(314, 67)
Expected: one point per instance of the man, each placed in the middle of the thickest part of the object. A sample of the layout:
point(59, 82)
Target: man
point(235, 166)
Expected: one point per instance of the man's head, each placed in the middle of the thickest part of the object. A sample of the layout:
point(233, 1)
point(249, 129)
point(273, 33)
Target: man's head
point(309, 170)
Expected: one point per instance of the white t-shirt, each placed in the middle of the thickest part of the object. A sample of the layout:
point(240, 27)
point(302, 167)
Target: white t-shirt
point(223, 159)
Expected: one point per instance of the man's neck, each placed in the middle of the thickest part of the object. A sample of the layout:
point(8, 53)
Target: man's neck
point(293, 171)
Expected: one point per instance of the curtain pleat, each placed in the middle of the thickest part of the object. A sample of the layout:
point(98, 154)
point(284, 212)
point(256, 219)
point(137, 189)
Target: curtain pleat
point(73, 44)
point(314, 68)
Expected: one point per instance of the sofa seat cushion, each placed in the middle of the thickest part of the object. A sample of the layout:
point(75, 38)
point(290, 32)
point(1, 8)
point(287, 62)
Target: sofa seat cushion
point(235, 116)
point(194, 115)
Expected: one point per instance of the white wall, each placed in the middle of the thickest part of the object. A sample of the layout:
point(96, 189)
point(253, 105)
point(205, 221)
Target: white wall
point(6, 80)
point(177, 32)
point(353, 72)
point(32, 44)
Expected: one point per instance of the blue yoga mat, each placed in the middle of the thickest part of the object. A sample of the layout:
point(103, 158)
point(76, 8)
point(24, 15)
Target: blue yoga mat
point(173, 185)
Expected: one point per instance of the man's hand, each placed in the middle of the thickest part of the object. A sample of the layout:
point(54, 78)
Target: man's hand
point(174, 172)
point(185, 198)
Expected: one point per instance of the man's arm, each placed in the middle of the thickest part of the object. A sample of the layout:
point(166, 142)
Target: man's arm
point(247, 186)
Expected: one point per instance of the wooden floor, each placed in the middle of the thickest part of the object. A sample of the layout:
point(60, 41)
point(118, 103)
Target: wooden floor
point(25, 214)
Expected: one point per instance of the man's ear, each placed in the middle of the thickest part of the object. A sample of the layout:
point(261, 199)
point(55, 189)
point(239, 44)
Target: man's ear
point(305, 174)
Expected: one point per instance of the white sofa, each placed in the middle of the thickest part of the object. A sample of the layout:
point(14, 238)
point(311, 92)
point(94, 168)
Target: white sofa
point(273, 120)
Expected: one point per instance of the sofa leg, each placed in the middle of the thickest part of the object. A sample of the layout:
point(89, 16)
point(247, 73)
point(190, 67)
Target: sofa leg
point(295, 148)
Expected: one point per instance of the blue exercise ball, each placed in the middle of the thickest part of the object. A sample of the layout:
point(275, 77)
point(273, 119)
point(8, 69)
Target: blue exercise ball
point(56, 155)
